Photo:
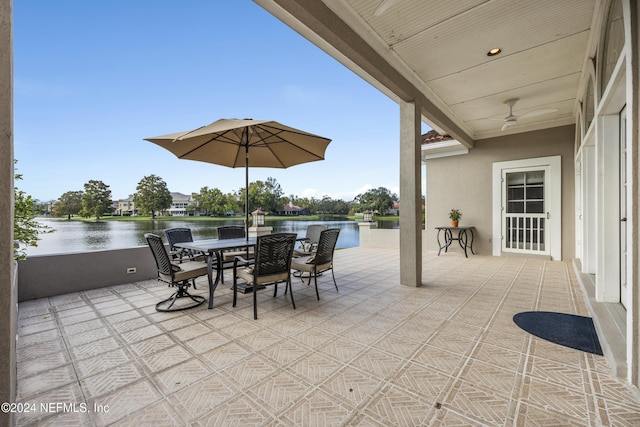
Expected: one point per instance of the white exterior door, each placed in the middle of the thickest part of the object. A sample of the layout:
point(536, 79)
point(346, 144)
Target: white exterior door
point(527, 207)
point(524, 210)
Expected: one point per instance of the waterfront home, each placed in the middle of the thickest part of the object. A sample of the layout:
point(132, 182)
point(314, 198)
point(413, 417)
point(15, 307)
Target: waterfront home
point(126, 207)
point(180, 204)
point(291, 209)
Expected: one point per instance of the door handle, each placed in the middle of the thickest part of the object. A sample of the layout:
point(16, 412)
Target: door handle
point(623, 219)
point(547, 215)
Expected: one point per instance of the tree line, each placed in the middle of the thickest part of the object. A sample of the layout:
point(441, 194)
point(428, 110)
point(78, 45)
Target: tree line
point(152, 195)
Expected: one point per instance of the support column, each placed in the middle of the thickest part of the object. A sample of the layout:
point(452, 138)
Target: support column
point(410, 192)
point(8, 293)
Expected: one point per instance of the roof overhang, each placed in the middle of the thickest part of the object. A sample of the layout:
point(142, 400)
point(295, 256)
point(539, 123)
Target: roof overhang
point(434, 53)
point(448, 148)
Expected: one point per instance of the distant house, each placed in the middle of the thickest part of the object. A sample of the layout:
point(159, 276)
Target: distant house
point(180, 204)
point(291, 209)
point(394, 209)
point(47, 207)
point(125, 207)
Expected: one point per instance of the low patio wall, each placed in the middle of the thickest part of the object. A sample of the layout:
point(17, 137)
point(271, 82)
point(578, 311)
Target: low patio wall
point(43, 276)
point(379, 238)
point(387, 238)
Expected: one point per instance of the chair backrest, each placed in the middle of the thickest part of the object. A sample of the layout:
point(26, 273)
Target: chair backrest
point(273, 253)
point(326, 246)
point(231, 232)
point(313, 232)
point(159, 253)
point(178, 235)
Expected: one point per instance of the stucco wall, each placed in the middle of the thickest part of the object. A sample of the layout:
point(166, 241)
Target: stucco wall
point(465, 182)
point(49, 275)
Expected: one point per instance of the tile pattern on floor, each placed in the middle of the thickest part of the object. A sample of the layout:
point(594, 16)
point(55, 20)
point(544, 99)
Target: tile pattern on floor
point(373, 354)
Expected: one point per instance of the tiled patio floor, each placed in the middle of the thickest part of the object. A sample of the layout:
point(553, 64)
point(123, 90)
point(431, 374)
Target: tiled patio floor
point(374, 354)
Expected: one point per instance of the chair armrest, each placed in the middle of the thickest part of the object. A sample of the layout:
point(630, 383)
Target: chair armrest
point(176, 253)
point(182, 254)
point(238, 260)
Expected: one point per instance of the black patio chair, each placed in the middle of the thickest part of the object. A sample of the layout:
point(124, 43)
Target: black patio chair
point(175, 274)
point(179, 235)
point(271, 265)
point(321, 260)
point(232, 232)
point(309, 243)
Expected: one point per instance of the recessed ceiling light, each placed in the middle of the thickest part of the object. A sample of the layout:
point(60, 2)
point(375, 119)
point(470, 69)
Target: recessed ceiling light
point(495, 51)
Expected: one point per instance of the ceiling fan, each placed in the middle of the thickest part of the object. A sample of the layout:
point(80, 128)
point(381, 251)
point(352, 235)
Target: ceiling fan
point(512, 120)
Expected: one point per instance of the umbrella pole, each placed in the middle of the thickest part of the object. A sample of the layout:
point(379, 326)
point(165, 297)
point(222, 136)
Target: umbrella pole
point(246, 189)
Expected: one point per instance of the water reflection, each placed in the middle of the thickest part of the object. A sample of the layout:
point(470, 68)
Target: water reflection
point(81, 236)
point(97, 235)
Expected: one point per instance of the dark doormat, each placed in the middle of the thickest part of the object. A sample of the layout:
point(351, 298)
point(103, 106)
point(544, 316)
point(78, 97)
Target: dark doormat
point(569, 330)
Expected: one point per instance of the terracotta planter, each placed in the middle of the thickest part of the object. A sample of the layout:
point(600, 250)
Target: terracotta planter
point(454, 223)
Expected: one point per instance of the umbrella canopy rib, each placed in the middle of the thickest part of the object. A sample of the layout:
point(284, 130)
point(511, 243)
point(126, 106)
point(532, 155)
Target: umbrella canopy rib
point(277, 134)
point(268, 147)
point(202, 145)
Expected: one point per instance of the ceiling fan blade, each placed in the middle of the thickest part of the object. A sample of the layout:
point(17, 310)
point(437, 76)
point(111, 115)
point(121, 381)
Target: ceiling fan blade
point(536, 113)
point(505, 125)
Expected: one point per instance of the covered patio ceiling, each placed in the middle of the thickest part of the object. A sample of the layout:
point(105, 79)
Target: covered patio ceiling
point(436, 52)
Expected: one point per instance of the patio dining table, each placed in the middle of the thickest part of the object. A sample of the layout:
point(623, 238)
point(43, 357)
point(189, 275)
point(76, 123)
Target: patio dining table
point(213, 248)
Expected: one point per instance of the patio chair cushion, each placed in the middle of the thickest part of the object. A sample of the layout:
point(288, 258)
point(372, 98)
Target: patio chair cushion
point(186, 270)
point(247, 275)
point(230, 255)
point(306, 264)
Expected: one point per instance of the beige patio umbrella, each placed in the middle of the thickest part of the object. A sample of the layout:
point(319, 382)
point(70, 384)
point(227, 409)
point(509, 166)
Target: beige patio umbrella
point(245, 143)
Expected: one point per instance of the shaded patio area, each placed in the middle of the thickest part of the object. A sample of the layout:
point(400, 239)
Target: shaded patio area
point(374, 354)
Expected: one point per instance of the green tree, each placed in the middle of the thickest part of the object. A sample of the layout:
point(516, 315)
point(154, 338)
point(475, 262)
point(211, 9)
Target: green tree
point(335, 206)
point(377, 199)
point(70, 203)
point(265, 194)
point(26, 229)
point(312, 203)
point(212, 200)
point(96, 199)
point(233, 203)
point(152, 195)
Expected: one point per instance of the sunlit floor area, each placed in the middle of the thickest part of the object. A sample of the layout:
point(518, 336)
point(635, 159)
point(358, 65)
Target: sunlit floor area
point(373, 354)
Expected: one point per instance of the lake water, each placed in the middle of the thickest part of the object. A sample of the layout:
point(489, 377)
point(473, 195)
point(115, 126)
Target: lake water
point(81, 236)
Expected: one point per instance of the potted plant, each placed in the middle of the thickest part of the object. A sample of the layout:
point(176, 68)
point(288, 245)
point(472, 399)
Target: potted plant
point(455, 216)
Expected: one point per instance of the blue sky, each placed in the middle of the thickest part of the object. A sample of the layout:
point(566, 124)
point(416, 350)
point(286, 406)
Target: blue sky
point(93, 78)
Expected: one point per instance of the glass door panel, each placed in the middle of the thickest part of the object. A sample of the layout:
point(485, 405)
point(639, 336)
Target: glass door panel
point(525, 215)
